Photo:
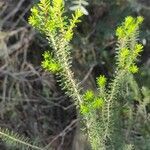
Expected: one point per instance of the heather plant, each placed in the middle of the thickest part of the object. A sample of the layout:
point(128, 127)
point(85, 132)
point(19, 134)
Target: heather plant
point(100, 111)
point(103, 123)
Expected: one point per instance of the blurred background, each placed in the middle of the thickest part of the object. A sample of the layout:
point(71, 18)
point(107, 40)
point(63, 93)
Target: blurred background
point(31, 101)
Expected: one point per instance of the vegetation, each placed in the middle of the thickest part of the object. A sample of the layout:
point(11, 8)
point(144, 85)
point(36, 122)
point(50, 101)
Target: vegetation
point(106, 114)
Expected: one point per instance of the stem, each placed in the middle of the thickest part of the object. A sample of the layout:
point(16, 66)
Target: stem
point(19, 141)
point(67, 73)
point(113, 92)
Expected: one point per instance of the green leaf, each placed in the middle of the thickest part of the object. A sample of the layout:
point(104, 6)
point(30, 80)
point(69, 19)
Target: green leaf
point(101, 81)
point(89, 95)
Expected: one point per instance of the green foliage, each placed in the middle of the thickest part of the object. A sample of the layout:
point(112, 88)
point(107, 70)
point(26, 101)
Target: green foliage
point(89, 95)
point(90, 103)
point(101, 81)
point(101, 111)
point(58, 29)
point(128, 47)
point(49, 18)
point(127, 54)
point(50, 63)
point(16, 140)
point(128, 28)
point(127, 51)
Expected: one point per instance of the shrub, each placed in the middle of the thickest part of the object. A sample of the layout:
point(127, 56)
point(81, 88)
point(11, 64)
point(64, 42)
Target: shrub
point(101, 112)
